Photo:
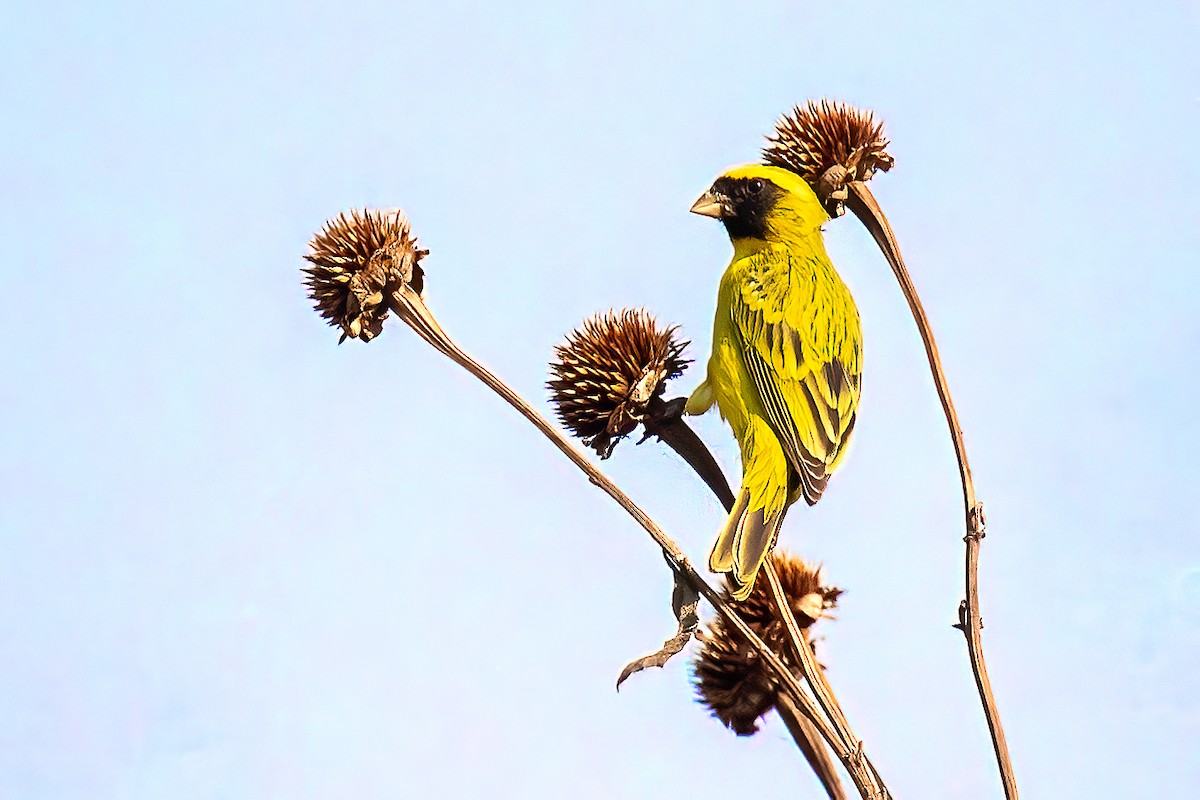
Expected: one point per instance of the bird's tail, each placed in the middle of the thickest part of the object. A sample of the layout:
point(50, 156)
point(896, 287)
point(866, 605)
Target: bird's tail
point(744, 544)
point(752, 527)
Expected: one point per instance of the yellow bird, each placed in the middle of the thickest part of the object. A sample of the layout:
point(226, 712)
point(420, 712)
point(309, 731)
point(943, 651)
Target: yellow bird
point(785, 370)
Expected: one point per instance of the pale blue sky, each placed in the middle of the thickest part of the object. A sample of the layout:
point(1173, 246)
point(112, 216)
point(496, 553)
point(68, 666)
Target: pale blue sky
point(238, 561)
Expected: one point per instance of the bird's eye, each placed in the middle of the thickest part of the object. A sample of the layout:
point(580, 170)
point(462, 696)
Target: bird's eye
point(756, 185)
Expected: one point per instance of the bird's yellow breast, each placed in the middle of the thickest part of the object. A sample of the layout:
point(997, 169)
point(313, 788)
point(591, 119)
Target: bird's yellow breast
point(793, 291)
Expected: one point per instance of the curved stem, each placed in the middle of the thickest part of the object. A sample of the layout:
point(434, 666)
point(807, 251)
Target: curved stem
point(862, 202)
point(680, 437)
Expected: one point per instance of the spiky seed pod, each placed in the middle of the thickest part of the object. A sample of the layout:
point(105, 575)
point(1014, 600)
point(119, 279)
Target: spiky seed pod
point(731, 680)
point(357, 261)
point(730, 677)
point(829, 145)
point(607, 372)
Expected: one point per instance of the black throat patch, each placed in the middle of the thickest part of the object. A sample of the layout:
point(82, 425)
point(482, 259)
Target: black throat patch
point(751, 201)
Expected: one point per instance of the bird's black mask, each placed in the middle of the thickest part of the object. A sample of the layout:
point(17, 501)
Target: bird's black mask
point(750, 202)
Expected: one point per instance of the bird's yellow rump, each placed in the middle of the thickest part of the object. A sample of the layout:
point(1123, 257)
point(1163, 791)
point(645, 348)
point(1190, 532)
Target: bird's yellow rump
point(785, 369)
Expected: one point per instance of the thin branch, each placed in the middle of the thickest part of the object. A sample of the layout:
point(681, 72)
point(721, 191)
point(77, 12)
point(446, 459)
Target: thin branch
point(807, 659)
point(409, 306)
point(862, 202)
point(805, 735)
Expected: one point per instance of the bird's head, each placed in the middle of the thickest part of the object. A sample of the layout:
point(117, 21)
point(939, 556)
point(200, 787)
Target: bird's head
point(764, 203)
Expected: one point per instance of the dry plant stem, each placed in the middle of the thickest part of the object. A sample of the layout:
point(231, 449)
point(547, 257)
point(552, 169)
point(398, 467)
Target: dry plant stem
point(862, 202)
point(807, 659)
point(409, 306)
point(814, 674)
point(681, 438)
point(805, 735)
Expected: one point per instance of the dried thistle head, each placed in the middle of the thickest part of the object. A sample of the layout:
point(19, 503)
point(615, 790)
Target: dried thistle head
point(731, 680)
point(829, 145)
point(607, 372)
point(730, 677)
point(357, 261)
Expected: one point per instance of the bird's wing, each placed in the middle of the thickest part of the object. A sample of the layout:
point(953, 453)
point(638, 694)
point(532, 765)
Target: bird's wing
point(800, 338)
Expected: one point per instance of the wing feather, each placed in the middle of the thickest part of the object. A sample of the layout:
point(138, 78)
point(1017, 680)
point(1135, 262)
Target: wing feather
point(799, 336)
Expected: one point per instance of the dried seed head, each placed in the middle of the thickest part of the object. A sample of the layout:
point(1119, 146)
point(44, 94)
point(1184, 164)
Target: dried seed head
point(357, 261)
point(731, 680)
point(829, 145)
point(730, 677)
point(607, 372)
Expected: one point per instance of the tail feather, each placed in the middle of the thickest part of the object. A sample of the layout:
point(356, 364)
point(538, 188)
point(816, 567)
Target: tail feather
point(756, 536)
point(721, 558)
point(755, 540)
point(769, 485)
point(744, 543)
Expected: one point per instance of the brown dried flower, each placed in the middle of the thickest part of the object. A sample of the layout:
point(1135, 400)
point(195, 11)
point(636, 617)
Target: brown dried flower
point(731, 680)
point(357, 261)
point(829, 145)
point(607, 373)
point(730, 677)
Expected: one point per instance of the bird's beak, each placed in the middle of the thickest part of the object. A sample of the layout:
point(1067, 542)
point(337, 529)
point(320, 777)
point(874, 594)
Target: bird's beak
point(712, 204)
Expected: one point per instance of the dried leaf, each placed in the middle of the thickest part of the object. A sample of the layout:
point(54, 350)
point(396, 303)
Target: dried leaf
point(685, 602)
